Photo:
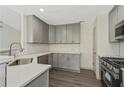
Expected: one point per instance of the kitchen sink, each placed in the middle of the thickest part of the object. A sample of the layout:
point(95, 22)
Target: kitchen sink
point(22, 61)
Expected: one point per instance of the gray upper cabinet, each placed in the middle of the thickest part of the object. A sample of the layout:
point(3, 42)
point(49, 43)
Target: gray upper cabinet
point(73, 33)
point(65, 34)
point(120, 13)
point(52, 34)
point(37, 30)
point(69, 33)
point(113, 16)
point(45, 35)
point(116, 15)
point(61, 34)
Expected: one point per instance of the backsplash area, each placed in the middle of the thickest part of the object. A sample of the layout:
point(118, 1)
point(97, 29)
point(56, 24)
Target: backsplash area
point(35, 48)
point(64, 48)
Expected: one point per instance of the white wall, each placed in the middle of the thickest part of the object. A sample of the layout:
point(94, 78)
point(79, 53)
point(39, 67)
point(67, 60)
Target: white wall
point(11, 18)
point(8, 33)
point(104, 47)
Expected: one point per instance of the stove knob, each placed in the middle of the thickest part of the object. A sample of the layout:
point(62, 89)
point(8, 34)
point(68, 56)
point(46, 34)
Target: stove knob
point(108, 65)
point(104, 63)
point(111, 67)
point(116, 70)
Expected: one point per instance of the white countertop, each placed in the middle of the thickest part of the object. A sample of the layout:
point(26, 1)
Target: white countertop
point(68, 52)
point(4, 59)
point(33, 55)
point(21, 75)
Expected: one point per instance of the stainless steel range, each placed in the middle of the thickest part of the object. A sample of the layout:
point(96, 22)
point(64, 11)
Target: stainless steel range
point(111, 74)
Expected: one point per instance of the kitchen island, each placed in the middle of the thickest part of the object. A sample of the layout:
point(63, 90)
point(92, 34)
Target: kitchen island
point(29, 75)
point(26, 75)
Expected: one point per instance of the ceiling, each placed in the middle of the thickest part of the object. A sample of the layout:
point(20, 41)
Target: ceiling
point(63, 14)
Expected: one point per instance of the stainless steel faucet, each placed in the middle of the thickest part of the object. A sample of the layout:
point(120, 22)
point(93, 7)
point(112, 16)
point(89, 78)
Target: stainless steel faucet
point(15, 43)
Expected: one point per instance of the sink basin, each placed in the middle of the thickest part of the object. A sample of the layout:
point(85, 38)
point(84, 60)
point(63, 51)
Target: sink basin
point(21, 61)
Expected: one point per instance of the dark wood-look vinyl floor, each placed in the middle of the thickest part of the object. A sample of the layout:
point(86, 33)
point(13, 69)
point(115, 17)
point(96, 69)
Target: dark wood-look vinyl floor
point(86, 78)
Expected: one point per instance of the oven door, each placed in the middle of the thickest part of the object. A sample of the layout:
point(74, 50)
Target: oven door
point(108, 80)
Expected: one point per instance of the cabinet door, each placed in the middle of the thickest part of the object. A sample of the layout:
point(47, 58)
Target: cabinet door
point(29, 28)
point(73, 33)
point(69, 33)
point(43, 59)
point(73, 62)
point(50, 59)
point(112, 23)
point(76, 33)
point(52, 34)
point(37, 30)
point(45, 32)
point(55, 60)
point(120, 13)
point(63, 61)
point(61, 34)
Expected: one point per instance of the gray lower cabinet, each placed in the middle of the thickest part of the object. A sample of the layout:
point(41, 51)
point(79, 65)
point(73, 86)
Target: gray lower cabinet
point(43, 59)
point(50, 59)
point(73, 62)
point(40, 81)
point(62, 61)
point(52, 34)
point(67, 61)
point(55, 60)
